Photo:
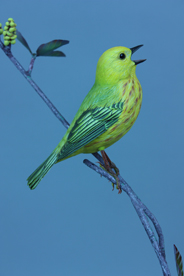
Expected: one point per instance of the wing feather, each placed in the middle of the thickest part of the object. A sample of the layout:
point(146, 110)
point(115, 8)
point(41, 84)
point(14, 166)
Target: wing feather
point(91, 124)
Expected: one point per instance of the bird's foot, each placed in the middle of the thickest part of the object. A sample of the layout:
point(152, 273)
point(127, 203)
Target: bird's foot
point(111, 168)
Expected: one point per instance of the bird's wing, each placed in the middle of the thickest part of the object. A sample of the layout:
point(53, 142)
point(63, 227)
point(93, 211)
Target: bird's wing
point(90, 125)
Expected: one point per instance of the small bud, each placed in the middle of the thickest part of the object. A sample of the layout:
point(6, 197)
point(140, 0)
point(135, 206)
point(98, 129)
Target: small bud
point(13, 41)
point(1, 29)
point(6, 37)
point(9, 34)
point(6, 43)
point(11, 30)
point(13, 37)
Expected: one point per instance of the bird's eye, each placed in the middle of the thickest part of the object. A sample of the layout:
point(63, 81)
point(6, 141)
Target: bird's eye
point(122, 56)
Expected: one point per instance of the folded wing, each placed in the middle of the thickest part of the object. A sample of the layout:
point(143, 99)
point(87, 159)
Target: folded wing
point(91, 124)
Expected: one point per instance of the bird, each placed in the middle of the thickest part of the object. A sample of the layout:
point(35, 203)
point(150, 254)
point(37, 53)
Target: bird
point(106, 114)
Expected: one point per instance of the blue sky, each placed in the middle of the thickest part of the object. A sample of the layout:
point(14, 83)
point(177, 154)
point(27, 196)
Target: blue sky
point(73, 224)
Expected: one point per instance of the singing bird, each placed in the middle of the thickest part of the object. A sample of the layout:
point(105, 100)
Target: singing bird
point(107, 113)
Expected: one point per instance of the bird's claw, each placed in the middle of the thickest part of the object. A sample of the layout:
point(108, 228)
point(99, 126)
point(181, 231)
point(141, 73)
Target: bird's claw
point(111, 168)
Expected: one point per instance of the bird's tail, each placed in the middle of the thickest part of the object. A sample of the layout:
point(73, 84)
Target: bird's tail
point(35, 178)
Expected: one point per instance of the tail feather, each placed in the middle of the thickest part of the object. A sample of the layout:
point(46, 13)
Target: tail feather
point(35, 178)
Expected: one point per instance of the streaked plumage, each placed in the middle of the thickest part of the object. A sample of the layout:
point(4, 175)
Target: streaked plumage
point(108, 111)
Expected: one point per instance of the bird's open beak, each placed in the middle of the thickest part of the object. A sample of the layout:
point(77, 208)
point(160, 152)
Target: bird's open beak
point(134, 49)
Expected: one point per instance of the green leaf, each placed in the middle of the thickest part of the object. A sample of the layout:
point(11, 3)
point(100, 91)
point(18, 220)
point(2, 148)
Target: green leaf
point(54, 54)
point(179, 262)
point(23, 41)
point(47, 48)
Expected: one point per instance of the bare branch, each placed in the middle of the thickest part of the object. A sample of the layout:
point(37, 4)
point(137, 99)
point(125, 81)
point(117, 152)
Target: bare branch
point(141, 210)
point(30, 69)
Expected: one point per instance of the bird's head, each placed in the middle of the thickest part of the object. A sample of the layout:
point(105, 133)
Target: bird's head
point(115, 65)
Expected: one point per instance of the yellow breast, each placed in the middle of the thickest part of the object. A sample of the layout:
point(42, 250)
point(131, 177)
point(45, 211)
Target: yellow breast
point(131, 95)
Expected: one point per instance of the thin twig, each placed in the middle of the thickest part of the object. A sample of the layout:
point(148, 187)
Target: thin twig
point(30, 69)
point(142, 211)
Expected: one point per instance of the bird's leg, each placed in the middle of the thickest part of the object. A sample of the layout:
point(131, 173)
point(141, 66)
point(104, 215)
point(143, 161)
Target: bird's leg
point(112, 169)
